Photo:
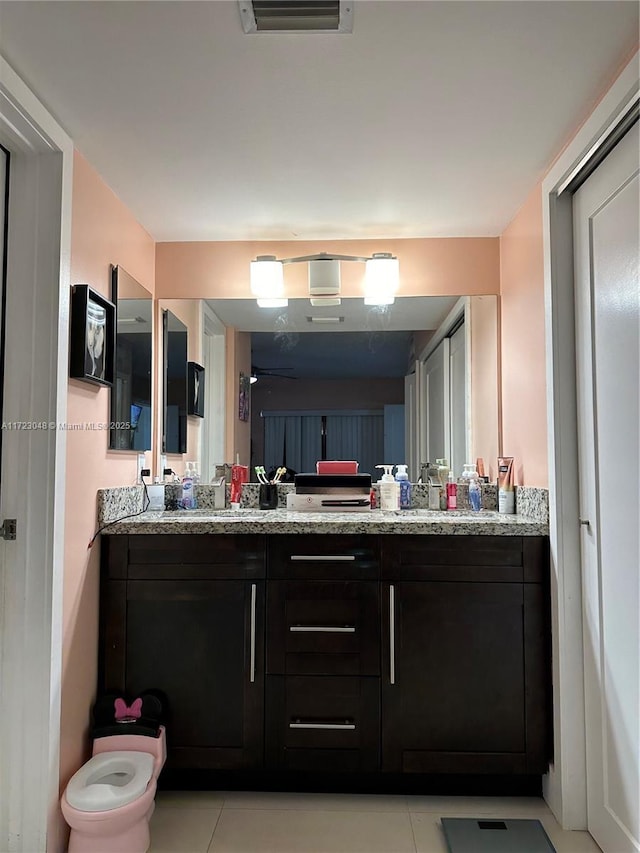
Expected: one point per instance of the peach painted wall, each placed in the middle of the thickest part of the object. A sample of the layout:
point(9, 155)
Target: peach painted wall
point(103, 233)
point(523, 365)
point(523, 355)
point(433, 266)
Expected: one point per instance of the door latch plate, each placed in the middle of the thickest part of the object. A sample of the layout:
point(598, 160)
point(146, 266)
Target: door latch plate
point(8, 528)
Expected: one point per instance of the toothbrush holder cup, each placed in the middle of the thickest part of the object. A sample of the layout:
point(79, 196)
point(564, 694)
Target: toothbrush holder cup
point(268, 496)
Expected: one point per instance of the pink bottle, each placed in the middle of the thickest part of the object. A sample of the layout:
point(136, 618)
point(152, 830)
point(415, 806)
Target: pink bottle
point(452, 492)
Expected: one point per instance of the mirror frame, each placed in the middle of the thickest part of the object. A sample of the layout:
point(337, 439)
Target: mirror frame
point(182, 413)
point(113, 412)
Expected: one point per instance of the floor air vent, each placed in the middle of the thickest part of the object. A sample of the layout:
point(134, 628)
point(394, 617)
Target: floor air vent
point(297, 16)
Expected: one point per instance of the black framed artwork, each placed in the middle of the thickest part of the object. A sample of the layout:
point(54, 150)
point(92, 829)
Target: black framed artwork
point(92, 338)
point(195, 389)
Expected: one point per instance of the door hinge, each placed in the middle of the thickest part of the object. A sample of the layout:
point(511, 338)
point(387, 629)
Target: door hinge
point(8, 528)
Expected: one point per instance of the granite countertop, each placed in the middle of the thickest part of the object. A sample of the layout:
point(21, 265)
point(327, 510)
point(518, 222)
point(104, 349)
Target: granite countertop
point(416, 521)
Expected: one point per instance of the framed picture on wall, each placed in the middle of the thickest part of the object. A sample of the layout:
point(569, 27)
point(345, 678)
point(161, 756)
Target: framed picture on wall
point(243, 397)
point(195, 389)
point(92, 336)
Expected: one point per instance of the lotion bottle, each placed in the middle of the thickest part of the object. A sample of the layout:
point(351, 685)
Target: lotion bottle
point(404, 485)
point(389, 490)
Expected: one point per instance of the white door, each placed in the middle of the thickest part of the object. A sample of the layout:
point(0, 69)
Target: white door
point(606, 236)
point(435, 441)
point(4, 160)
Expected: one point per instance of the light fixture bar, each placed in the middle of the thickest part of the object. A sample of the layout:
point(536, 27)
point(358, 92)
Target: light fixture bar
point(382, 278)
point(322, 256)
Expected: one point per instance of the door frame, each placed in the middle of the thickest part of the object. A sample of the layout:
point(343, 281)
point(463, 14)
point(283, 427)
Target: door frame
point(565, 784)
point(38, 282)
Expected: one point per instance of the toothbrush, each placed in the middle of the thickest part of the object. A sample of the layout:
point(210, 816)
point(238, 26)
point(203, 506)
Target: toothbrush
point(261, 475)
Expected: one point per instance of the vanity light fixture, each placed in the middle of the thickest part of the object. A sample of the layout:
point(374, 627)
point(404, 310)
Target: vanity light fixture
point(382, 278)
point(267, 281)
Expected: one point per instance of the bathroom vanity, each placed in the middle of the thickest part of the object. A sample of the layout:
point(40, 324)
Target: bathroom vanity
point(385, 647)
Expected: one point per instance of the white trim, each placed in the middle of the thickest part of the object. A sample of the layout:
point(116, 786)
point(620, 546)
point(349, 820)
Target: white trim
point(212, 432)
point(565, 786)
point(39, 251)
point(460, 309)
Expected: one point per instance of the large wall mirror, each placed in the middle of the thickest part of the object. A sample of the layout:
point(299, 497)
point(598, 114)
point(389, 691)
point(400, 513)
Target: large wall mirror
point(131, 395)
point(174, 348)
point(353, 381)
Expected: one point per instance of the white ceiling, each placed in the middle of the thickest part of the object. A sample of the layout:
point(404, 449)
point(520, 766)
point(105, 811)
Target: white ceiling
point(431, 119)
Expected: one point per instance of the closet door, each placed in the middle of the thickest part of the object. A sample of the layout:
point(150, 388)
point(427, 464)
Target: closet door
point(607, 259)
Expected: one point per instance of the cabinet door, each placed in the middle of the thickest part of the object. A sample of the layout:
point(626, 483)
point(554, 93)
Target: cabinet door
point(453, 698)
point(201, 642)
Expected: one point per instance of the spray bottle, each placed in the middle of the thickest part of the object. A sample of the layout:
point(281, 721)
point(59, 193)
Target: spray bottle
point(404, 484)
point(389, 490)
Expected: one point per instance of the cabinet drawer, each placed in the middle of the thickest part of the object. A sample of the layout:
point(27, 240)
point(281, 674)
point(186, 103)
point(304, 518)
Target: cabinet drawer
point(321, 557)
point(323, 723)
point(194, 557)
point(323, 628)
point(452, 558)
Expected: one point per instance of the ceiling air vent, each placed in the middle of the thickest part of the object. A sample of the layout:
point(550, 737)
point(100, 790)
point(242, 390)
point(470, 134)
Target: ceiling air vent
point(297, 16)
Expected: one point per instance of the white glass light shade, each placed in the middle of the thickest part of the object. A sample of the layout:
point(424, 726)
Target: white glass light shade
point(267, 280)
point(382, 278)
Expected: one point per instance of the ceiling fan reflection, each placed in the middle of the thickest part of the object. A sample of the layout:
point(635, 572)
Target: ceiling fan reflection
point(276, 372)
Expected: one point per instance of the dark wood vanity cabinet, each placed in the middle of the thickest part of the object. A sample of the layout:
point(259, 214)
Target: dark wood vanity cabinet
point(465, 681)
point(185, 615)
point(336, 653)
point(323, 654)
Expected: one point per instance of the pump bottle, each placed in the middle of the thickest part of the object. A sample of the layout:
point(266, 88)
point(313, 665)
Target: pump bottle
point(188, 501)
point(389, 489)
point(404, 484)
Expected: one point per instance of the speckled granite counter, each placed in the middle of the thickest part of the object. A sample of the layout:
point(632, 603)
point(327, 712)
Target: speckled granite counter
point(418, 521)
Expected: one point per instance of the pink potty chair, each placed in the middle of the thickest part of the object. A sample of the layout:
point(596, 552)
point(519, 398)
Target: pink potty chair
point(108, 803)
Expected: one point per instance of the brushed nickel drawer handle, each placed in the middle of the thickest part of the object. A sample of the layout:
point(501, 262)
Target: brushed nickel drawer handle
point(253, 634)
point(322, 558)
point(392, 634)
point(322, 629)
point(341, 726)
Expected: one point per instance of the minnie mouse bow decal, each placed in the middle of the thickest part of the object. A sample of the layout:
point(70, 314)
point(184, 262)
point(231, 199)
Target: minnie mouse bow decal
point(128, 712)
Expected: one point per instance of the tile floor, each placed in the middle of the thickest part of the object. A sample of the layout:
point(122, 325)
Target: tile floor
point(246, 822)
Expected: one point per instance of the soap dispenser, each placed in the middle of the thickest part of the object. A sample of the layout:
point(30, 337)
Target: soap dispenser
point(404, 484)
point(389, 490)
